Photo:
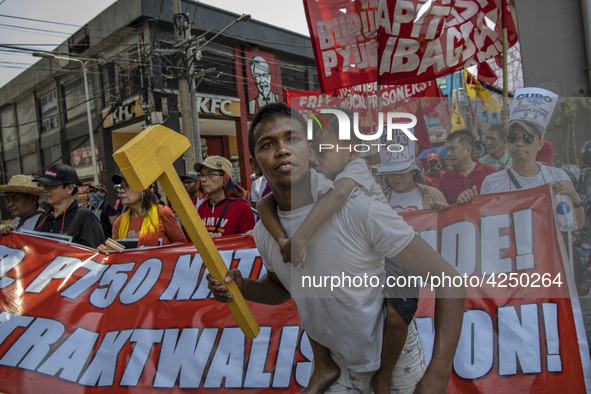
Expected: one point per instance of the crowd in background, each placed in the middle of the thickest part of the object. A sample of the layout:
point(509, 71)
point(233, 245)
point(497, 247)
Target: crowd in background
point(455, 175)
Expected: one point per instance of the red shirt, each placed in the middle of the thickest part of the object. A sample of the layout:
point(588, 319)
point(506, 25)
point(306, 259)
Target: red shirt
point(238, 218)
point(546, 154)
point(452, 183)
point(434, 177)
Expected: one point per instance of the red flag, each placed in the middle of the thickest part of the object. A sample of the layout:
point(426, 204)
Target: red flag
point(421, 130)
point(440, 110)
point(486, 73)
point(508, 23)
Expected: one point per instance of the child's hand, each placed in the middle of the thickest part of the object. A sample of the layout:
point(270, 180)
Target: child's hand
point(298, 254)
point(285, 249)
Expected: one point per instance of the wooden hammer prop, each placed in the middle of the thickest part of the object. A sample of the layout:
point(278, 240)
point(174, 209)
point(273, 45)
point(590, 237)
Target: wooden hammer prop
point(149, 157)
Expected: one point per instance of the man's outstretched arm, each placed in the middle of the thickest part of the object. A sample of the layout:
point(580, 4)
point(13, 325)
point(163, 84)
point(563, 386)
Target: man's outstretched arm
point(420, 259)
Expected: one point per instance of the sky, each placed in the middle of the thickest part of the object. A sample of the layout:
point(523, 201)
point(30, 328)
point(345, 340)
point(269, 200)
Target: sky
point(24, 23)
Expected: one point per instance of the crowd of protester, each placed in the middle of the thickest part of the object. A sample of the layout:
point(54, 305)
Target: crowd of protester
point(513, 156)
point(48, 204)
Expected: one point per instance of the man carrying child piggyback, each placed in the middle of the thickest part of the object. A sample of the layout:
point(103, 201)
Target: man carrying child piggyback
point(345, 324)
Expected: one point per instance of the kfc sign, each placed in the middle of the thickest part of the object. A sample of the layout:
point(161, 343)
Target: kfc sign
point(221, 106)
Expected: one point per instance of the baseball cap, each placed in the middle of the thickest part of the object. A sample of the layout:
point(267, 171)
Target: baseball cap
point(117, 179)
point(385, 170)
point(189, 175)
point(215, 163)
point(59, 174)
point(98, 186)
point(527, 126)
point(432, 156)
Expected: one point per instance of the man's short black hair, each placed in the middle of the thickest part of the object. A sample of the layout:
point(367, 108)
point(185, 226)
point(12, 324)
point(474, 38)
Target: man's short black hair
point(268, 112)
point(499, 128)
point(464, 136)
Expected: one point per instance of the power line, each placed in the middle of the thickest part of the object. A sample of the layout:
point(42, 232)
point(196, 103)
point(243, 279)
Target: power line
point(34, 29)
point(38, 20)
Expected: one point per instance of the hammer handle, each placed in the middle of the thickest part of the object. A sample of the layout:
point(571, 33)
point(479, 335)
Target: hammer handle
point(193, 224)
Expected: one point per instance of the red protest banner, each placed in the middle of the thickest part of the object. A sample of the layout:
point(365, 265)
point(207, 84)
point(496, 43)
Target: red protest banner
point(401, 42)
point(418, 99)
point(364, 98)
point(522, 332)
point(74, 321)
point(78, 321)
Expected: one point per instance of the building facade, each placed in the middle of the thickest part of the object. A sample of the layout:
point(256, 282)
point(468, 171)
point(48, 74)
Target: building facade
point(134, 61)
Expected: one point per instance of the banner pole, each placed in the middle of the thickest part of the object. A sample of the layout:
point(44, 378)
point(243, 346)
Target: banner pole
point(472, 117)
point(505, 112)
point(379, 93)
point(451, 103)
point(368, 104)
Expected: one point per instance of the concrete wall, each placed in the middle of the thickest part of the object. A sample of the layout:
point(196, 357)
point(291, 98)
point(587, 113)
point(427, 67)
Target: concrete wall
point(553, 45)
point(553, 56)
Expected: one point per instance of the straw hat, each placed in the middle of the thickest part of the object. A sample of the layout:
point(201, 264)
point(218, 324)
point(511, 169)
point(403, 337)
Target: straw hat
point(21, 184)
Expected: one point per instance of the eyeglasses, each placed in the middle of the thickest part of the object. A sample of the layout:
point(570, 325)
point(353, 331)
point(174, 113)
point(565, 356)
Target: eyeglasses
point(188, 183)
point(491, 139)
point(210, 175)
point(124, 188)
point(525, 137)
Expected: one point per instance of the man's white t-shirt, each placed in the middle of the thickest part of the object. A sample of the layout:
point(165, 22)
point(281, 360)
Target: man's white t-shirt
point(501, 182)
point(406, 202)
point(351, 243)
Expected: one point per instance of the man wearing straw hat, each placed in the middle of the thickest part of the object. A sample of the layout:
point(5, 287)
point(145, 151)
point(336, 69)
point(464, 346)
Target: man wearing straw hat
point(22, 199)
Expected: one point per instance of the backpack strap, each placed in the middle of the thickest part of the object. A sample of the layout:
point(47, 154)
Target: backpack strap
point(217, 226)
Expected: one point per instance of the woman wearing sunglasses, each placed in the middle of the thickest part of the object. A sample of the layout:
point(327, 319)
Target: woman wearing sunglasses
point(151, 223)
point(224, 211)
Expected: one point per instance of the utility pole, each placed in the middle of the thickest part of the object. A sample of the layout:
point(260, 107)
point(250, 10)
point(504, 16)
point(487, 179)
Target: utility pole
point(182, 36)
point(83, 62)
point(189, 49)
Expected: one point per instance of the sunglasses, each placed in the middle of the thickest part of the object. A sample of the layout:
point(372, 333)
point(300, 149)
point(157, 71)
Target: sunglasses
point(526, 138)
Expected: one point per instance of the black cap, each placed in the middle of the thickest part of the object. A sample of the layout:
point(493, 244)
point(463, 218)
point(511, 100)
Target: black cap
point(98, 186)
point(59, 174)
point(189, 175)
point(117, 178)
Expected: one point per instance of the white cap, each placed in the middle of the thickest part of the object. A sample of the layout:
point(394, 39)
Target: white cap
point(397, 158)
point(533, 105)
